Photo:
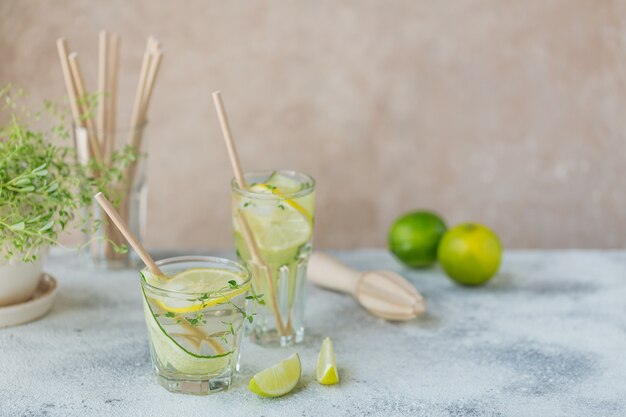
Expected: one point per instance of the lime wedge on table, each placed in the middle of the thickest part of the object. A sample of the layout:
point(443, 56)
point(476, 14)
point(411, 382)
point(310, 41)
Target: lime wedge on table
point(210, 281)
point(326, 365)
point(277, 380)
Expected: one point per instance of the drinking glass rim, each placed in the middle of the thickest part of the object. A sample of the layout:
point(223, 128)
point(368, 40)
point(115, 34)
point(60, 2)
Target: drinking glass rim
point(264, 196)
point(194, 258)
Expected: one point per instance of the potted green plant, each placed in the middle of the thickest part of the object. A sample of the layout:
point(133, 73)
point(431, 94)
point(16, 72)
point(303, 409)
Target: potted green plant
point(40, 195)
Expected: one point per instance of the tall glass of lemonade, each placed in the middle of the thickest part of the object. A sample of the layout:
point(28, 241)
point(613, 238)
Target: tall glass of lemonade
point(277, 209)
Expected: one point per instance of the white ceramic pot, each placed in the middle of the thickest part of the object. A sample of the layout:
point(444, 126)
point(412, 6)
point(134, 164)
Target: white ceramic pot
point(18, 279)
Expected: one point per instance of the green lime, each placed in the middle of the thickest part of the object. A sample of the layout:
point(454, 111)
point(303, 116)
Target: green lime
point(414, 238)
point(470, 253)
point(279, 379)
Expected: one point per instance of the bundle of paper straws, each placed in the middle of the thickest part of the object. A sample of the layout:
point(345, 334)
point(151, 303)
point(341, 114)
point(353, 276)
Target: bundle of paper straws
point(102, 132)
point(101, 139)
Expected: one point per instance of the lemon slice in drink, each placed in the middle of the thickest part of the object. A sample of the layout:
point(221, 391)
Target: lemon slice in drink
point(282, 228)
point(326, 365)
point(214, 283)
point(277, 380)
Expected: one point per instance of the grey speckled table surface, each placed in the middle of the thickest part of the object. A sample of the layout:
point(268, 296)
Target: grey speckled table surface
point(547, 337)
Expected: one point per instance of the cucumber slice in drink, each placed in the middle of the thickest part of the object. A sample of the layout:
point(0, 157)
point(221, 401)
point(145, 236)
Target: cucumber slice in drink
point(179, 344)
point(171, 355)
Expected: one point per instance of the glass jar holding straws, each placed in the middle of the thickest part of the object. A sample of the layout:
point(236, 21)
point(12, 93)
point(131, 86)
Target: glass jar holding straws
point(130, 198)
point(113, 158)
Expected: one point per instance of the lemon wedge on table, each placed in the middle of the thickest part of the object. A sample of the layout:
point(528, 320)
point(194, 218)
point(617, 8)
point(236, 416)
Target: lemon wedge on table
point(278, 380)
point(326, 364)
point(210, 281)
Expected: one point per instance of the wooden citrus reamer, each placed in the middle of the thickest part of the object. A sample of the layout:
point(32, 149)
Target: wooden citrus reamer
point(261, 267)
point(384, 294)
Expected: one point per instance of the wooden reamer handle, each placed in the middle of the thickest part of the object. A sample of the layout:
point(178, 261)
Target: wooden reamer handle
point(327, 272)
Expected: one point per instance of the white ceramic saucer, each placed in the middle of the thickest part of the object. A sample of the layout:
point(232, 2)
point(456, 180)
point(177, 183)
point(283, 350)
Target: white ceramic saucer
point(33, 308)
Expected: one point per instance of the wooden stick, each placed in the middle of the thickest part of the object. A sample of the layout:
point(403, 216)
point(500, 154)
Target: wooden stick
point(257, 260)
point(114, 238)
point(230, 144)
point(69, 83)
point(153, 44)
point(155, 64)
point(135, 122)
point(134, 134)
point(103, 52)
point(248, 237)
point(135, 119)
point(152, 266)
point(137, 135)
point(130, 237)
point(112, 112)
point(81, 143)
point(81, 96)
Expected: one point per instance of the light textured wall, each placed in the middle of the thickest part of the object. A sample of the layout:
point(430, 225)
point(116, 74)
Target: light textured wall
point(511, 113)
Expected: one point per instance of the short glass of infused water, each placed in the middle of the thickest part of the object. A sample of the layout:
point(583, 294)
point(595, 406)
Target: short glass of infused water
point(195, 316)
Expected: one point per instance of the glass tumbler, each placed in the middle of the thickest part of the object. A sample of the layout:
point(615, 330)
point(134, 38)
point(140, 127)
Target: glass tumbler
point(273, 227)
point(195, 317)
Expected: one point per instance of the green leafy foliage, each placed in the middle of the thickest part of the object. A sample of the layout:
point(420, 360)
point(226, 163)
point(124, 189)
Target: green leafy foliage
point(38, 187)
point(42, 186)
